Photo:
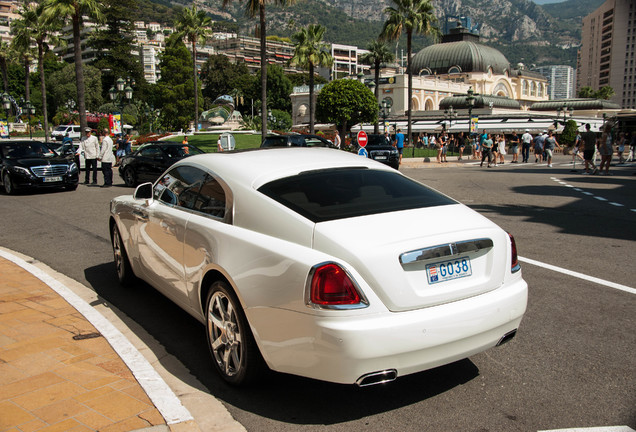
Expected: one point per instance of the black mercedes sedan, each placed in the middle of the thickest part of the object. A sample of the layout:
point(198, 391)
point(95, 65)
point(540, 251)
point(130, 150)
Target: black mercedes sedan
point(150, 160)
point(33, 164)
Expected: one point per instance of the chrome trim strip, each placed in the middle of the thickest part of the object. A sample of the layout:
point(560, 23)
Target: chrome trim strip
point(445, 250)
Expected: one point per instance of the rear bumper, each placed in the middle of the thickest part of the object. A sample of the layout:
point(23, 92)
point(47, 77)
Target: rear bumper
point(342, 349)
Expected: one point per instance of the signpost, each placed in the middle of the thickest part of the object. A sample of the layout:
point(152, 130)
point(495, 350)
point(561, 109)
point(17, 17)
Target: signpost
point(362, 138)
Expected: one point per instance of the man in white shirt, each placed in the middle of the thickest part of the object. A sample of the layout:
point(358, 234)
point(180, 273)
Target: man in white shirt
point(90, 147)
point(526, 140)
point(107, 157)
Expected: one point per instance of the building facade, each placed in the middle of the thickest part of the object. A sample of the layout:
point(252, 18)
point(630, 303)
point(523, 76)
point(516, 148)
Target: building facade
point(561, 81)
point(606, 56)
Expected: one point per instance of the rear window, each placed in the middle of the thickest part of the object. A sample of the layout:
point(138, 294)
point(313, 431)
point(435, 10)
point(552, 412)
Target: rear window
point(351, 192)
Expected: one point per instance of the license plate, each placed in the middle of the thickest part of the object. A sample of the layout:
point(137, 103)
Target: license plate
point(52, 179)
point(448, 270)
point(380, 158)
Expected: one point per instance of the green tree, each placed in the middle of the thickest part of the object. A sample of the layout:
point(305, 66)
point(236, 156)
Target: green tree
point(42, 33)
point(5, 56)
point(310, 51)
point(280, 120)
point(21, 45)
point(75, 10)
point(279, 89)
point(218, 74)
point(194, 26)
point(605, 92)
point(299, 79)
point(345, 102)
point(569, 133)
point(586, 92)
point(253, 8)
point(63, 89)
point(175, 83)
point(113, 43)
point(378, 54)
point(410, 17)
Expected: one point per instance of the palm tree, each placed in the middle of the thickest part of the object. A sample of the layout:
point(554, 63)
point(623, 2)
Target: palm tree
point(5, 57)
point(310, 52)
point(74, 10)
point(378, 53)
point(253, 8)
point(21, 45)
point(42, 33)
point(410, 16)
point(194, 25)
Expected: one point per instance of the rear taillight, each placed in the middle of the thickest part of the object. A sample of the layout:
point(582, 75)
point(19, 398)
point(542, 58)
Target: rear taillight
point(514, 259)
point(330, 286)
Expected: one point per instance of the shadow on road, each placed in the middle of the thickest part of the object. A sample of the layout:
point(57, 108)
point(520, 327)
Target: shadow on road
point(277, 396)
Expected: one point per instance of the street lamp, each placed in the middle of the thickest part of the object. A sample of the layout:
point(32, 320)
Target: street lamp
point(30, 110)
point(385, 110)
point(121, 92)
point(565, 110)
point(470, 101)
point(449, 114)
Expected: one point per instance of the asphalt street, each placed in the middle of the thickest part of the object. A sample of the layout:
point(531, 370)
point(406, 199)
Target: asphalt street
point(572, 363)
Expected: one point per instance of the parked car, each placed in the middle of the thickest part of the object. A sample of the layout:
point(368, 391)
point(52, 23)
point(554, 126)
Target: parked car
point(74, 132)
point(316, 262)
point(382, 151)
point(33, 164)
point(150, 160)
point(295, 140)
point(71, 150)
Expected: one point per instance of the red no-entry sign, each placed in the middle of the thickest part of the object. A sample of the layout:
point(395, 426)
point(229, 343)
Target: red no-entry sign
point(362, 138)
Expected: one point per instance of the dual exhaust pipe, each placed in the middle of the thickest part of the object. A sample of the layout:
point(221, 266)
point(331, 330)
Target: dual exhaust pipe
point(388, 375)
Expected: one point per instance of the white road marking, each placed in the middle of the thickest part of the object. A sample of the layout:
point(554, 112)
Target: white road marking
point(594, 429)
point(155, 387)
point(579, 275)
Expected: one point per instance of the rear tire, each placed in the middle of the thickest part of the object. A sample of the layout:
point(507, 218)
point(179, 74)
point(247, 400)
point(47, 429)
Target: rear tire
point(232, 346)
point(122, 264)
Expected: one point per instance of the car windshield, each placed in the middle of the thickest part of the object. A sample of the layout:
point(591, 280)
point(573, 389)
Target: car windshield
point(27, 150)
point(332, 194)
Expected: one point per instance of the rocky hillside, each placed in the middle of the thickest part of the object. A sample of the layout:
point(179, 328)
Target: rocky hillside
point(523, 30)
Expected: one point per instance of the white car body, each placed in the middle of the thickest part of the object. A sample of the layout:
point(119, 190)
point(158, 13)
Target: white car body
point(266, 253)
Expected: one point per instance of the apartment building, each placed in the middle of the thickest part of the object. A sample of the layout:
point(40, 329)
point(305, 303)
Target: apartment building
point(346, 61)
point(561, 81)
point(606, 56)
point(8, 13)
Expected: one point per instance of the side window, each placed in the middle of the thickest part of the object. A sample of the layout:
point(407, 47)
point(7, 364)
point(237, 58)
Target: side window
point(151, 152)
point(212, 198)
point(180, 186)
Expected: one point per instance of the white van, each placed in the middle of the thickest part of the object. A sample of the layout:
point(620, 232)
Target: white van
point(74, 131)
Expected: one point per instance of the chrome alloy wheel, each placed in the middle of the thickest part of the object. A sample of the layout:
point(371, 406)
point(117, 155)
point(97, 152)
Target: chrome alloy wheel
point(224, 334)
point(117, 254)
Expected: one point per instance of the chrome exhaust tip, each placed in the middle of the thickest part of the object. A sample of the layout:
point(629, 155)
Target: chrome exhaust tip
point(507, 337)
point(374, 378)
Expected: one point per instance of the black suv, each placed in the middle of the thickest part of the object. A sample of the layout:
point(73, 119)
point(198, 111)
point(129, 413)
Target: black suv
point(296, 141)
point(382, 151)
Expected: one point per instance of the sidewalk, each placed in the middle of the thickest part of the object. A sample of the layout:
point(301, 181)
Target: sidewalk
point(57, 372)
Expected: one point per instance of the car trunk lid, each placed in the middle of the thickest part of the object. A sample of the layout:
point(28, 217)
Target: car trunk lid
point(420, 258)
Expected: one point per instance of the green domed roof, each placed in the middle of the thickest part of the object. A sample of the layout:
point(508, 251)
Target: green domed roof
point(462, 56)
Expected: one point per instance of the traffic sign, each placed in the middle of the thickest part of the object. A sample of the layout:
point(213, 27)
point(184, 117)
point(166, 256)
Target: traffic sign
point(363, 152)
point(362, 138)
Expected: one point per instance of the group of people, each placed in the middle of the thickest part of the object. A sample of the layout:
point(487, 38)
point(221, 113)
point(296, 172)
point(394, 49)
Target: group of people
point(100, 148)
point(603, 146)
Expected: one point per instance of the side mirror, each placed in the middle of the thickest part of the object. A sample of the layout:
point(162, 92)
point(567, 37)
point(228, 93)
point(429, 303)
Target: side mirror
point(143, 191)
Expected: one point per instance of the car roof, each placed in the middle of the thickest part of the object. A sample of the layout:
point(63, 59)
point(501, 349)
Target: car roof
point(259, 166)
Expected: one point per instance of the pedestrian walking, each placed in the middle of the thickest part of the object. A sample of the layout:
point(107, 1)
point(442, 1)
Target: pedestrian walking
point(501, 149)
point(606, 149)
point(90, 147)
point(486, 150)
point(539, 140)
point(462, 144)
point(549, 145)
point(336, 140)
point(107, 157)
point(399, 143)
point(589, 147)
point(526, 141)
point(514, 147)
point(621, 147)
